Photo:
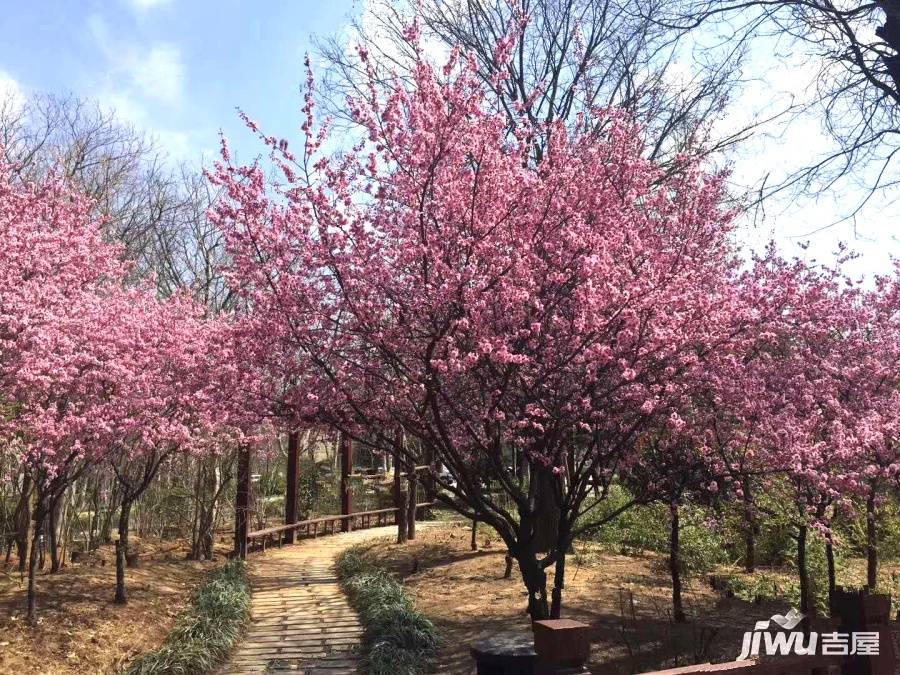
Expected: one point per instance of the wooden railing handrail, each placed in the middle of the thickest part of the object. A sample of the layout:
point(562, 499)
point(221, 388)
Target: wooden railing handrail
point(302, 524)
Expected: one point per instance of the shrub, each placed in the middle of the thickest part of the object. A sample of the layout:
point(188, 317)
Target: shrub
point(754, 588)
point(206, 631)
point(702, 545)
point(646, 528)
point(400, 640)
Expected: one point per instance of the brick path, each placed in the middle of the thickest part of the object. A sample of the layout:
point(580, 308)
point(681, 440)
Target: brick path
point(299, 618)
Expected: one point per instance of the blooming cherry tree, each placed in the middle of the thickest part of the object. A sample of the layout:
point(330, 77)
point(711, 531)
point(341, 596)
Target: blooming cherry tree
point(435, 280)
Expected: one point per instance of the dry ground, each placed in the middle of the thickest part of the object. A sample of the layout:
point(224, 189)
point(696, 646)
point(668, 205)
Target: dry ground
point(81, 630)
point(626, 601)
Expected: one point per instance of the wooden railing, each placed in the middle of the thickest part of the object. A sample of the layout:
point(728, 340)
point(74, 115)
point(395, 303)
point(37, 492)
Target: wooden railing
point(783, 665)
point(318, 527)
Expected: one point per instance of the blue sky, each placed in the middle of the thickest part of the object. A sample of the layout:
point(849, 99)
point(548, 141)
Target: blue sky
point(179, 68)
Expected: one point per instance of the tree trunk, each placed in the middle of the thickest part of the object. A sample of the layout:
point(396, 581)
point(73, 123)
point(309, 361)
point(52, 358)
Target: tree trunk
point(749, 529)
point(197, 513)
point(42, 548)
point(106, 526)
point(430, 487)
point(399, 503)
point(675, 565)
point(53, 530)
point(291, 484)
point(122, 550)
point(871, 543)
point(68, 506)
point(536, 582)
point(40, 513)
point(411, 505)
point(832, 576)
point(559, 583)
point(209, 487)
point(803, 572)
point(94, 526)
point(242, 503)
point(346, 449)
point(208, 514)
point(474, 544)
point(546, 520)
point(521, 466)
point(23, 522)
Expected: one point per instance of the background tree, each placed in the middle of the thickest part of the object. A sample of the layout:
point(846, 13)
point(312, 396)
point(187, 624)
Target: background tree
point(571, 57)
point(855, 48)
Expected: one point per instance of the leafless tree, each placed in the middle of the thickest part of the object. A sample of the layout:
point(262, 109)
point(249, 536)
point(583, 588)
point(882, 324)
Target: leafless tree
point(156, 210)
point(572, 56)
point(114, 163)
point(856, 49)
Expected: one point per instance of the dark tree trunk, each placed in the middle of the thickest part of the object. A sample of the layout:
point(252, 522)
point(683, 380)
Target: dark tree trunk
point(106, 524)
point(411, 505)
point(749, 528)
point(871, 542)
point(546, 521)
point(803, 572)
point(23, 522)
point(832, 576)
point(675, 565)
point(242, 503)
point(474, 544)
point(559, 584)
point(292, 482)
point(122, 550)
point(54, 530)
point(209, 487)
point(42, 548)
point(536, 582)
point(521, 466)
point(40, 513)
point(346, 449)
point(399, 502)
point(429, 485)
point(94, 526)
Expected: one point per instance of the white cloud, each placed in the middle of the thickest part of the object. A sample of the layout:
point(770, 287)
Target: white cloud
point(144, 5)
point(11, 93)
point(141, 81)
point(153, 71)
point(159, 73)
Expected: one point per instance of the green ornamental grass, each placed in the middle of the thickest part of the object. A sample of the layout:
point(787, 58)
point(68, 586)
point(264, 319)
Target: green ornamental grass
point(400, 640)
point(206, 631)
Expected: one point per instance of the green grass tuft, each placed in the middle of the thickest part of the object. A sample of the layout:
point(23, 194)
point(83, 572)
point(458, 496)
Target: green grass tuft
point(400, 640)
point(206, 631)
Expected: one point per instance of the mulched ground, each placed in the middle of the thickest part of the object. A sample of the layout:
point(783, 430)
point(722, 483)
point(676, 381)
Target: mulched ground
point(81, 630)
point(626, 601)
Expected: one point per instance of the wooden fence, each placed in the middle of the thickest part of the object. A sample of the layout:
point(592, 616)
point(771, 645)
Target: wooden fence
point(326, 525)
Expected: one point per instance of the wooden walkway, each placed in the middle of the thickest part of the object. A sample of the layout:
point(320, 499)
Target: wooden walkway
point(300, 620)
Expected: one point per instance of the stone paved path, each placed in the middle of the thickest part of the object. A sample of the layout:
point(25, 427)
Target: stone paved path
point(299, 619)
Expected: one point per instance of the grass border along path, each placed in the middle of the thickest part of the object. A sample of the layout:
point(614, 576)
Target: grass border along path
point(399, 639)
point(205, 631)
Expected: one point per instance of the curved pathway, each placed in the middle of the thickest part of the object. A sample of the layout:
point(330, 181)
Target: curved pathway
point(300, 619)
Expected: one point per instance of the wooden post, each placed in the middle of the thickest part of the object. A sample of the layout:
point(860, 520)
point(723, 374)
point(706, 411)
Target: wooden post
point(293, 477)
point(242, 503)
point(346, 469)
